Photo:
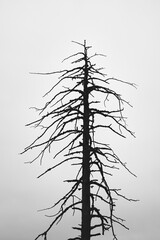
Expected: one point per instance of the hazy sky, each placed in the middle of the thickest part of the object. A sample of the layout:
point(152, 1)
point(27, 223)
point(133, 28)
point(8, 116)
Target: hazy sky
point(35, 35)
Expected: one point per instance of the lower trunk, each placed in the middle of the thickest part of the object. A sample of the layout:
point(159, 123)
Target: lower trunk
point(86, 199)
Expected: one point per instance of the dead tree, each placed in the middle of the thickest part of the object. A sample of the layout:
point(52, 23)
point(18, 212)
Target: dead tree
point(75, 115)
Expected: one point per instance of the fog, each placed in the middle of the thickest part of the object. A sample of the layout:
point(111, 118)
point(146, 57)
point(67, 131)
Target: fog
point(35, 37)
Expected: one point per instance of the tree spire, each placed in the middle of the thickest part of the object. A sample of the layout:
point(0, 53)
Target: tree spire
point(77, 104)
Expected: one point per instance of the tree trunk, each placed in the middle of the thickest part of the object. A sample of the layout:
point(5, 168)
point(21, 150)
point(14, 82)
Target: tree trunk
point(86, 157)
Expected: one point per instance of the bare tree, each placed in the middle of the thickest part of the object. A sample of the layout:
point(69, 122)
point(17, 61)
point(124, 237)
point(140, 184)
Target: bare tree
point(76, 114)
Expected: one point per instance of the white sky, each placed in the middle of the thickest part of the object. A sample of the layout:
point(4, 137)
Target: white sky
point(35, 35)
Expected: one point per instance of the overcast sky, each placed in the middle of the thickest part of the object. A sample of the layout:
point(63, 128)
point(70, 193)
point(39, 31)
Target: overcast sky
point(35, 35)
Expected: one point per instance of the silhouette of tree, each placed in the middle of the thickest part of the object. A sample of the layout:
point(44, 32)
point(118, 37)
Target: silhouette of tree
point(75, 115)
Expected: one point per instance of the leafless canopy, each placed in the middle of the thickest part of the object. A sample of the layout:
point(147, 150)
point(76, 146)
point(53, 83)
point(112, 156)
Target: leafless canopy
point(65, 112)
